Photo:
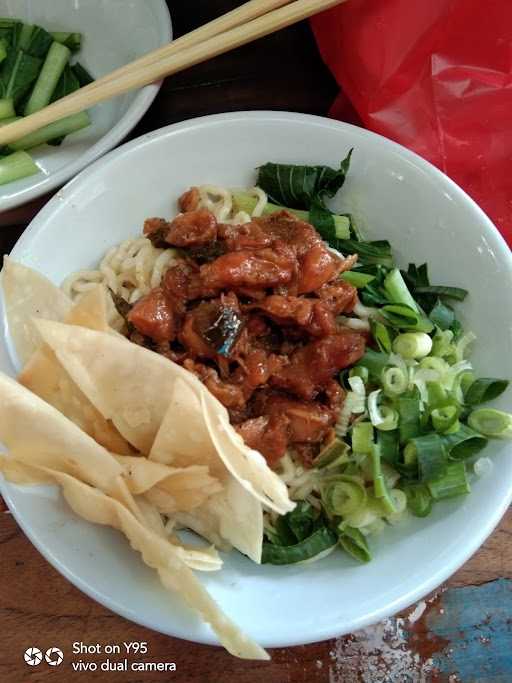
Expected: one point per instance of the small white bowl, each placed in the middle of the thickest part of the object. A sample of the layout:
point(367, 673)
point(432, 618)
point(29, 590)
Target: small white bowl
point(115, 32)
point(395, 195)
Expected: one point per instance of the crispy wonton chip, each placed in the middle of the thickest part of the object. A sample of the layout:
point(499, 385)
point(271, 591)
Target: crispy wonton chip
point(45, 376)
point(40, 435)
point(27, 293)
point(133, 387)
point(94, 506)
point(169, 488)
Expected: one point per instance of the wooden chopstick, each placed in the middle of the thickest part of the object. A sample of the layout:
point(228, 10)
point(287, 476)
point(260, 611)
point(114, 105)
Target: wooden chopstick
point(240, 15)
point(171, 61)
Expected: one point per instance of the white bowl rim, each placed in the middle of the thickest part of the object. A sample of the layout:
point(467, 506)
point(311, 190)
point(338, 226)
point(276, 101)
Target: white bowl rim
point(471, 543)
point(130, 119)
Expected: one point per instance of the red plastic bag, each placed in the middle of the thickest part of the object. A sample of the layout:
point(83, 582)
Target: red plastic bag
point(436, 76)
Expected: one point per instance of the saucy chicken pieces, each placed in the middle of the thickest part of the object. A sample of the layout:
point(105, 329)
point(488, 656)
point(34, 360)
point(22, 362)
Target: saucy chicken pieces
point(251, 310)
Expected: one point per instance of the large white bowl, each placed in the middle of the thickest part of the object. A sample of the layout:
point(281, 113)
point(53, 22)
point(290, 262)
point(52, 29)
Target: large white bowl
point(396, 195)
point(114, 33)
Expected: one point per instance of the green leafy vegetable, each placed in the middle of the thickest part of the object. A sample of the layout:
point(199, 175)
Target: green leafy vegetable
point(297, 186)
point(453, 482)
point(419, 499)
point(319, 542)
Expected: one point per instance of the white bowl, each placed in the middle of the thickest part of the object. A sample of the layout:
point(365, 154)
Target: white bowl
point(396, 195)
point(115, 32)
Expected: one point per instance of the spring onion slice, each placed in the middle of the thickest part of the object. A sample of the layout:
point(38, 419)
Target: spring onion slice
point(395, 381)
point(389, 446)
point(462, 344)
point(354, 543)
point(430, 452)
point(463, 444)
point(362, 437)
point(409, 412)
point(389, 421)
point(337, 451)
point(442, 343)
point(443, 419)
point(343, 495)
point(379, 484)
point(412, 345)
point(419, 499)
point(454, 482)
point(318, 543)
point(491, 422)
point(485, 389)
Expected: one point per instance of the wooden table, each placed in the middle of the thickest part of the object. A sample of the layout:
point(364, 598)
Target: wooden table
point(462, 633)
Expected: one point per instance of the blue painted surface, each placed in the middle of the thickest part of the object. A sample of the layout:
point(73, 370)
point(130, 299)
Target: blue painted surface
point(477, 622)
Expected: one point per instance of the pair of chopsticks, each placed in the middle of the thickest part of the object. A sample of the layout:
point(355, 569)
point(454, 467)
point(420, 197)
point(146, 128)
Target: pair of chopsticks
point(249, 22)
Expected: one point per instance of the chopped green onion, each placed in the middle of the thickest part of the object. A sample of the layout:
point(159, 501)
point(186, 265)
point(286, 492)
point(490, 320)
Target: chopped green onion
point(54, 64)
point(389, 420)
point(463, 444)
point(436, 364)
point(431, 455)
point(16, 166)
point(412, 345)
point(65, 126)
point(394, 381)
point(410, 454)
point(409, 423)
point(454, 482)
point(389, 446)
point(462, 344)
point(6, 109)
point(379, 484)
point(317, 544)
point(444, 419)
point(381, 336)
point(491, 422)
point(362, 437)
point(442, 344)
point(354, 543)
point(337, 451)
point(485, 389)
point(419, 499)
point(357, 279)
point(343, 495)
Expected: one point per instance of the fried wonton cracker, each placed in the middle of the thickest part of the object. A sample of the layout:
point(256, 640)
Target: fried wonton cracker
point(45, 376)
point(94, 506)
point(27, 293)
point(133, 387)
